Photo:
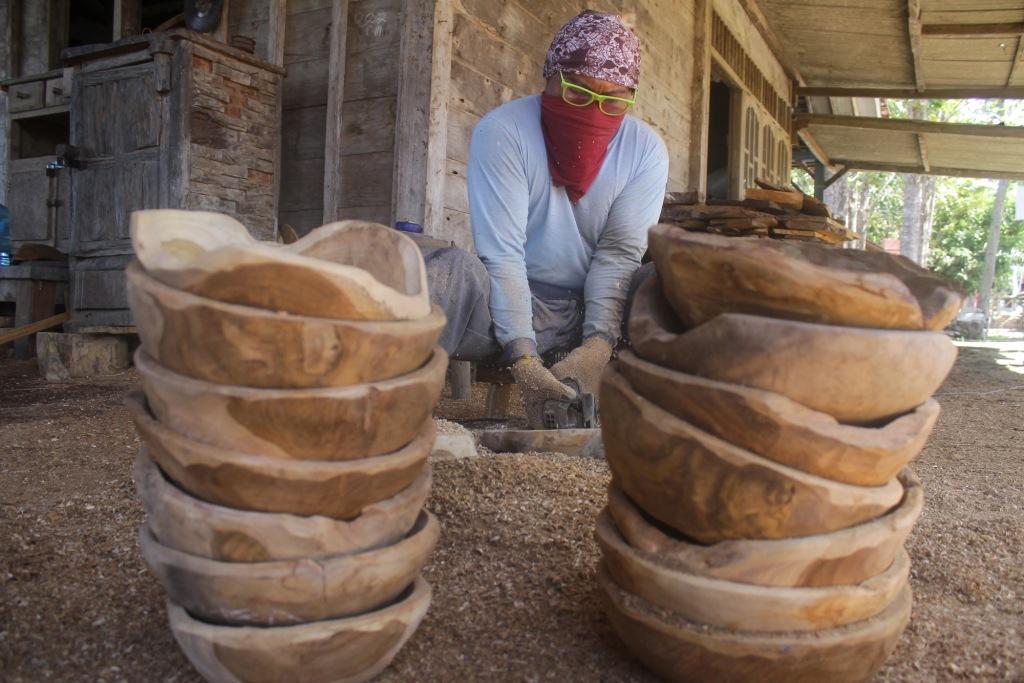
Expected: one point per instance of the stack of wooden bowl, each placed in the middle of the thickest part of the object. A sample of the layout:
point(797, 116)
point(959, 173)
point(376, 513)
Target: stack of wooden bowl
point(286, 424)
point(758, 439)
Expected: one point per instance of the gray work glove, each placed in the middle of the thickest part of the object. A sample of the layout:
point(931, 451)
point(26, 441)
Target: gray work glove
point(537, 385)
point(585, 364)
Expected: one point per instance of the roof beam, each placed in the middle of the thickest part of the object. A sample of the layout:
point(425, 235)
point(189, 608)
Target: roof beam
point(817, 150)
point(1010, 93)
point(802, 121)
point(914, 29)
point(1005, 29)
point(760, 22)
point(935, 170)
point(1018, 57)
point(922, 150)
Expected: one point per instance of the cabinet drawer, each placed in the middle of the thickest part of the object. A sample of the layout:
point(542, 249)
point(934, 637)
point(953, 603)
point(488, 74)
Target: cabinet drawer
point(57, 92)
point(25, 96)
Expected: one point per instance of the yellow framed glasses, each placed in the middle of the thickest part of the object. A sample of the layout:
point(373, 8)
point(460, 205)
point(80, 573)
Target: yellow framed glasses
point(578, 96)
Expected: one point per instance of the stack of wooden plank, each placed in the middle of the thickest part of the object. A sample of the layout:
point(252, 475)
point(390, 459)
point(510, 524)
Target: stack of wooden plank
point(767, 211)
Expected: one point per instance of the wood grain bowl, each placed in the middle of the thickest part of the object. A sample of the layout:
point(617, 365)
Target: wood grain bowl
point(351, 270)
point(843, 557)
point(337, 423)
point(290, 591)
point(745, 606)
point(230, 344)
point(684, 651)
point(349, 650)
point(710, 490)
point(856, 375)
point(782, 430)
point(705, 275)
point(340, 489)
point(196, 527)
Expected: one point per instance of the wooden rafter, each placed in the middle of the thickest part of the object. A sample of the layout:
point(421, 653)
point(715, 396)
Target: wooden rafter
point(1005, 29)
point(1011, 93)
point(914, 29)
point(777, 46)
point(922, 150)
point(817, 150)
point(935, 170)
point(802, 121)
point(1018, 57)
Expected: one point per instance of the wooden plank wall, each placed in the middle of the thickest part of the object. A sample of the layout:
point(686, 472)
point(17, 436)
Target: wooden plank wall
point(6, 43)
point(498, 51)
point(367, 112)
point(368, 109)
point(304, 113)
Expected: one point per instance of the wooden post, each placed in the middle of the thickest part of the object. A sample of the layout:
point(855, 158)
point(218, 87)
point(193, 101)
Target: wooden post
point(819, 181)
point(437, 130)
point(412, 125)
point(700, 102)
point(335, 97)
point(127, 18)
point(36, 301)
point(461, 376)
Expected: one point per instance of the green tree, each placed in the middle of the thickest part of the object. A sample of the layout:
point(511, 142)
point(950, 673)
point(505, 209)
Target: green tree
point(962, 215)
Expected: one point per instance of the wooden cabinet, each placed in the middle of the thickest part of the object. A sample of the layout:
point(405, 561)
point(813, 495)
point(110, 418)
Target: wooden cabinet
point(170, 120)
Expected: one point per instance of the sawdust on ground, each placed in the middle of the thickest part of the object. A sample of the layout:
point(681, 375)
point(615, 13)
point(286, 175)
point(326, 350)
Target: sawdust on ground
point(513, 576)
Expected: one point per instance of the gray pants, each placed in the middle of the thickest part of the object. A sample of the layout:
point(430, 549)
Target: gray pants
point(460, 286)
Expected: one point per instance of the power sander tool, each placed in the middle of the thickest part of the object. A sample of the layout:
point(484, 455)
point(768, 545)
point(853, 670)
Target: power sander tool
point(571, 413)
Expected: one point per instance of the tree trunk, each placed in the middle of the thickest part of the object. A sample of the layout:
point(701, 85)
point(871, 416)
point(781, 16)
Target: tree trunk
point(928, 216)
point(988, 274)
point(910, 231)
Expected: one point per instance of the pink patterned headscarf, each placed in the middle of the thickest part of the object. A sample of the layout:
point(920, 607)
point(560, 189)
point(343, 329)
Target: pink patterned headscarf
point(597, 45)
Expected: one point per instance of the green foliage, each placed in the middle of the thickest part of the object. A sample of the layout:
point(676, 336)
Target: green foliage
point(963, 212)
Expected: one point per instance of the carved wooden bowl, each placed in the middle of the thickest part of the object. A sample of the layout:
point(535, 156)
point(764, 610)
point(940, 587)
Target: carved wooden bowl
point(340, 489)
point(706, 275)
point(196, 527)
point(844, 557)
point(336, 423)
point(352, 270)
point(782, 430)
point(712, 491)
point(681, 650)
point(856, 375)
point(231, 344)
point(348, 650)
point(290, 591)
point(745, 606)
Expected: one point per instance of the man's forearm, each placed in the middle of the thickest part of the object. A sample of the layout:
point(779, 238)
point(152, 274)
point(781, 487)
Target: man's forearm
point(606, 290)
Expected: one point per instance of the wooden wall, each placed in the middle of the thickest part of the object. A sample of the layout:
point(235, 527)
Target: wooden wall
point(304, 113)
point(497, 53)
point(368, 108)
point(368, 92)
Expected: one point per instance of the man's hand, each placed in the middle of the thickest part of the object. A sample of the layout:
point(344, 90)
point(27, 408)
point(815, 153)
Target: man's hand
point(585, 364)
point(537, 384)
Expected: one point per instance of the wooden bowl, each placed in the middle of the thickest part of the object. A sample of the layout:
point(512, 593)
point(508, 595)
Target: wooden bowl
point(350, 270)
point(745, 606)
point(782, 430)
point(230, 344)
point(349, 650)
point(705, 275)
point(681, 650)
point(195, 527)
point(338, 489)
point(290, 591)
point(711, 490)
point(336, 423)
point(843, 557)
point(855, 375)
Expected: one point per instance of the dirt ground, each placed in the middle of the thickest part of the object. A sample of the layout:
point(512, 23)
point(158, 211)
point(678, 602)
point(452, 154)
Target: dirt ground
point(513, 576)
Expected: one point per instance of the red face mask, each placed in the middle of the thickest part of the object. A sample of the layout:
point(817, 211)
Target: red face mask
point(577, 140)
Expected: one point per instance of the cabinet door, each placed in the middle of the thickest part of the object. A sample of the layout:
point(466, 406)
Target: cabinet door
point(116, 122)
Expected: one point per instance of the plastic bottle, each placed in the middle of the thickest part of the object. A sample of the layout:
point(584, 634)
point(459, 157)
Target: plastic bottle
point(5, 236)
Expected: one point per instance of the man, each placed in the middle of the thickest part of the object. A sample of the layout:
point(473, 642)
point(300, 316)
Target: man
point(563, 187)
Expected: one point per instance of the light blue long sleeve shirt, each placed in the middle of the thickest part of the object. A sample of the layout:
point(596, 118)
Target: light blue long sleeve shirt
point(527, 230)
